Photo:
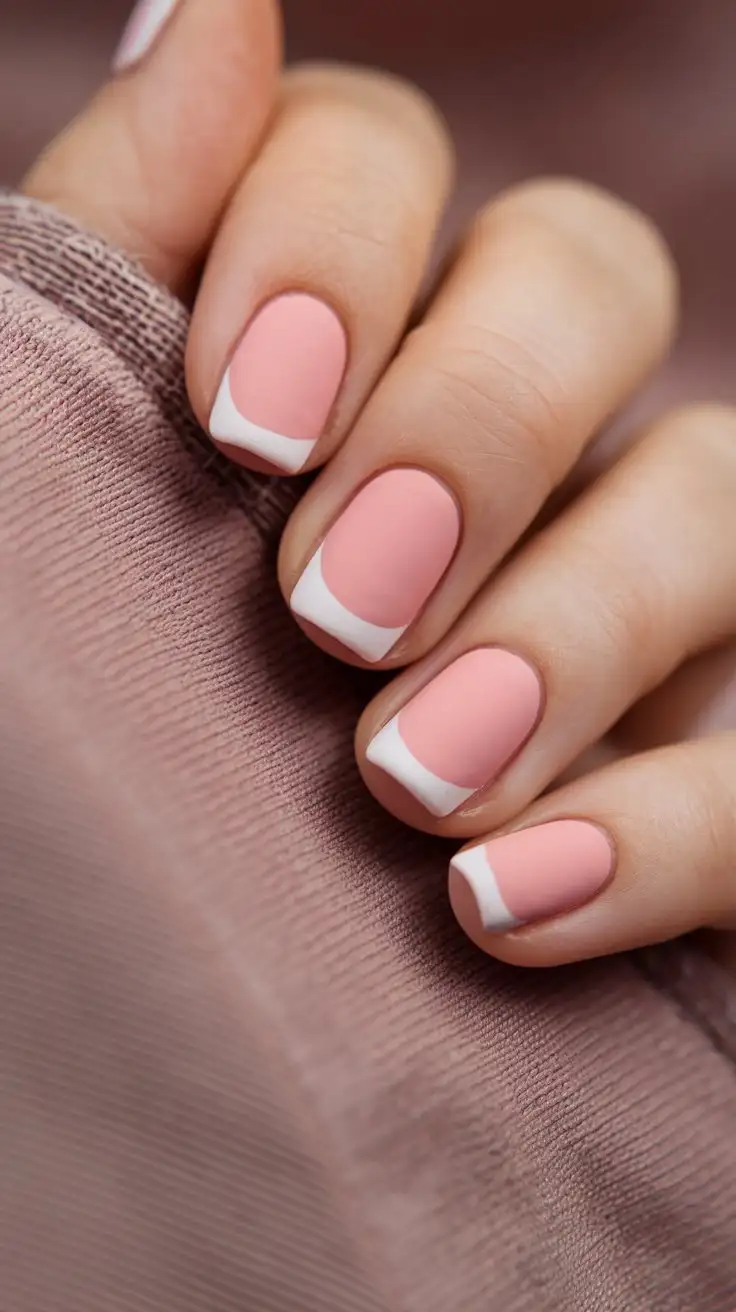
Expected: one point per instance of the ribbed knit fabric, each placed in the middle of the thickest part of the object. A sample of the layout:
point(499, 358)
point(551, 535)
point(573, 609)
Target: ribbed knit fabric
point(247, 1063)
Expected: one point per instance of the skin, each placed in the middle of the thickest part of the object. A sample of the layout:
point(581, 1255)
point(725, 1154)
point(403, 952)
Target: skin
point(558, 304)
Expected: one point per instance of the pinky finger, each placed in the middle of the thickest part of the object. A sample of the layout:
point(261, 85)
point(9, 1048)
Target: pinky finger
point(639, 852)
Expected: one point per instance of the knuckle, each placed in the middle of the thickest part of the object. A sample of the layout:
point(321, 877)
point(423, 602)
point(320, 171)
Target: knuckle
point(623, 611)
point(360, 242)
point(618, 241)
point(134, 216)
point(500, 401)
point(416, 109)
point(397, 104)
point(629, 627)
point(704, 435)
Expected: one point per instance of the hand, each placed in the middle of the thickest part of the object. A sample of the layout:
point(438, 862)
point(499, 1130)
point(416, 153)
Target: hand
point(312, 205)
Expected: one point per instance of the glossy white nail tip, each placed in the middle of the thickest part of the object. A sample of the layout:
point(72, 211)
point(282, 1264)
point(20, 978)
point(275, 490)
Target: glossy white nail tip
point(390, 753)
point(312, 600)
point(145, 24)
point(474, 868)
point(228, 425)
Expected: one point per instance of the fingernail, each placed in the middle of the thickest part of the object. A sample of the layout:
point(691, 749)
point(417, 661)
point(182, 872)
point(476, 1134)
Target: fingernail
point(282, 381)
point(144, 25)
point(460, 731)
point(380, 561)
point(530, 875)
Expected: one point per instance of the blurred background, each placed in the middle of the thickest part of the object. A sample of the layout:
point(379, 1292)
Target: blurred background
point(639, 95)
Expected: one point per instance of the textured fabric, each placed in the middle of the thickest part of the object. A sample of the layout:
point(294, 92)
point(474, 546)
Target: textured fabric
point(246, 1060)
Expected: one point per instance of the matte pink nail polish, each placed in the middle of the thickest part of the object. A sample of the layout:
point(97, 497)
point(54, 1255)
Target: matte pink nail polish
point(380, 561)
point(460, 731)
point(282, 381)
point(144, 26)
point(530, 875)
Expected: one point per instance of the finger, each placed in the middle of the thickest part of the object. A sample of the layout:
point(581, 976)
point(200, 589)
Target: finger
point(561, 303)
point(638, 575)
point(640, 852)
point(317, 265)
point(699, 699)
point(150, 163)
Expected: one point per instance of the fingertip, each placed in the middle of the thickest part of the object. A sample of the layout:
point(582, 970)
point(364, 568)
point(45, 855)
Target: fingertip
point(466, 901)
point(280, 383)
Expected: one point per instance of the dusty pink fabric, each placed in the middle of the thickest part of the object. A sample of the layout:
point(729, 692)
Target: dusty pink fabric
point(246, 1060)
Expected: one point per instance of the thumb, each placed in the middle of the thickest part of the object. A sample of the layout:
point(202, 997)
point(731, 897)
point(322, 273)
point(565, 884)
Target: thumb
point(151, 162)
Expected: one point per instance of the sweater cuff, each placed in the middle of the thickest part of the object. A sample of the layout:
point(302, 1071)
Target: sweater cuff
point(139, 320)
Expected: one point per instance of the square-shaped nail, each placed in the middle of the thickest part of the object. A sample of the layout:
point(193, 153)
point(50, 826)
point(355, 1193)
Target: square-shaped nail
point(461, 730)
point(530, 875)
point(144, 26)
point(282, 381)
point(380, 562)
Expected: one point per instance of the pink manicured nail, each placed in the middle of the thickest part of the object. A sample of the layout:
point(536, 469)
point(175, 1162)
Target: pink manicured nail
point(530, 875)
point(380, 561)
point(460, 731)
point(145, 24)
point(282, 381)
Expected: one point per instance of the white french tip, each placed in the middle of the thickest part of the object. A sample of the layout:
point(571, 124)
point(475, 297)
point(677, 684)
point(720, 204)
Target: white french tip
point(228, 425)
point(389, 751)
point(494, 914)
point(313, 601)
point(145, 24)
